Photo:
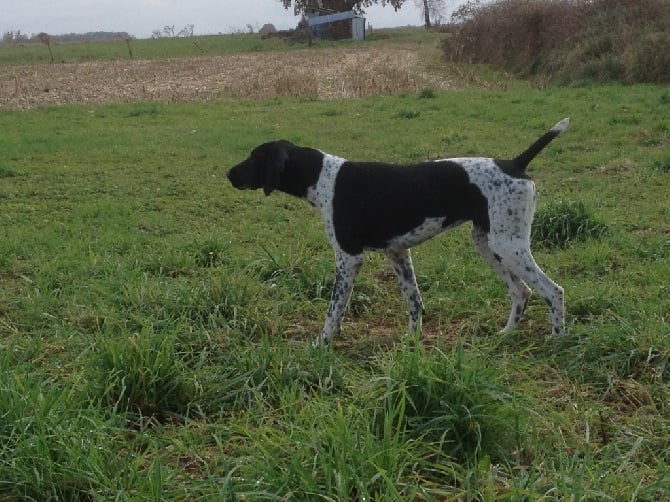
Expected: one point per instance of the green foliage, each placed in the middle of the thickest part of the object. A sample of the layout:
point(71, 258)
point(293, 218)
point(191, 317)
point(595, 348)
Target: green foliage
point(141, 49)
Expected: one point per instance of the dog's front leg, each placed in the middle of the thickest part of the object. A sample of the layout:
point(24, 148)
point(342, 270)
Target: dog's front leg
point(346, 269)
point(401, 259)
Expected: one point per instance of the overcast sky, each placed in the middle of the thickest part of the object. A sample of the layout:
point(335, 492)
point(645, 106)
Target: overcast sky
point(140, 17)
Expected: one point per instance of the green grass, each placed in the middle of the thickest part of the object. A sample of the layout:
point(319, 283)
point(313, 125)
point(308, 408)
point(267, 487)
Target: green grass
point(562, 223)
point(70, 52)
point(154, 322)
point(179, 47)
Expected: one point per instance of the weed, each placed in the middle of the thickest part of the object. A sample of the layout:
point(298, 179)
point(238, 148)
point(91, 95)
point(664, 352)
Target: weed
point(662, 164)
point(6, 172)
point(144, 109)
point(427, 93)
point(407, 114)
point(211, 253)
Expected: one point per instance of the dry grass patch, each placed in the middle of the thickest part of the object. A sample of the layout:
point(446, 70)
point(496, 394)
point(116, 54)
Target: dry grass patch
point(329, 73)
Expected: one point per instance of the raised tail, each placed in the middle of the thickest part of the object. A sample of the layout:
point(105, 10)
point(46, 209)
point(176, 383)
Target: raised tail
point(531, 152)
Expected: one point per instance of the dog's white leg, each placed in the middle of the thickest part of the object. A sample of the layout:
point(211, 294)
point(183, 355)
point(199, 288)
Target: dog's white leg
point(401, 259)
point(515, 255)
point(518, 291)
point(346, 269)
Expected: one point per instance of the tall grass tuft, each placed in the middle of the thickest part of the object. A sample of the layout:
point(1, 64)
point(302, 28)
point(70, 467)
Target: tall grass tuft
point(210, 253)
point(141, 374)
point(47, 448)
point(453, 401)
point(562, 223)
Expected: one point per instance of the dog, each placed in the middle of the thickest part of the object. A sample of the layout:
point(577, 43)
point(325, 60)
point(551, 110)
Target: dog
point(390, 208)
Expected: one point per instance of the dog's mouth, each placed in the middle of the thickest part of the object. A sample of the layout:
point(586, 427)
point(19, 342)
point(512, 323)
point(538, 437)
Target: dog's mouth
point(237, 183)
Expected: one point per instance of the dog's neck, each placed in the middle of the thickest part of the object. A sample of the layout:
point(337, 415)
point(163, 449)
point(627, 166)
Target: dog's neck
point(303, 172)
point(320, 194)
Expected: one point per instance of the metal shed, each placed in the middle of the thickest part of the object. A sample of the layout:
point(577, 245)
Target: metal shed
point(338, 26)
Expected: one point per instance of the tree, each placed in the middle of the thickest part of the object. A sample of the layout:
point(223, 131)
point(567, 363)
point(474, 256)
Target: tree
point(465, 12)
point(299, 6)
point(46, 40)
point(432, 9)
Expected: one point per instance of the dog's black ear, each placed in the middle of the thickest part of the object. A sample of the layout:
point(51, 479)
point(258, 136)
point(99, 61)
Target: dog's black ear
point(275, 165)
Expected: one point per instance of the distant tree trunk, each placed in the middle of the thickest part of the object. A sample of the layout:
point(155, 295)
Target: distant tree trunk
point(426, 14)
point(130, 49)
point(46, 40)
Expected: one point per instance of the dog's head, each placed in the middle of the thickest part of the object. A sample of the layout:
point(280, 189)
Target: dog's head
point(263, 168)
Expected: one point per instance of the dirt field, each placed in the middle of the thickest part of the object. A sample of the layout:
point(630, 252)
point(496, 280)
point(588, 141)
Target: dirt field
point(324, 73)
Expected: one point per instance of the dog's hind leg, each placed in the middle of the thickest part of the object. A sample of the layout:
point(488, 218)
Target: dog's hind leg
point(346, 269)
point(515, 255)
point(401, 260)
point(518, 291)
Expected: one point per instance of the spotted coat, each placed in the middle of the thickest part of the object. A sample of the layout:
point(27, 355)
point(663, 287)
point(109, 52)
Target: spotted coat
point(390, 208)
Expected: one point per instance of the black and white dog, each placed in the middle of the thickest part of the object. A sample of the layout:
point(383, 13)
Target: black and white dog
point(391, 208)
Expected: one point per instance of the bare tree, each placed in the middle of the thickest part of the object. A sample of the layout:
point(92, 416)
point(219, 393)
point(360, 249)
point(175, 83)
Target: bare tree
point(169, 30)
point(186, 31)
point(46, 40)
point(466, 11)
point(130, 49)
point(359, 6)
point(431, 9)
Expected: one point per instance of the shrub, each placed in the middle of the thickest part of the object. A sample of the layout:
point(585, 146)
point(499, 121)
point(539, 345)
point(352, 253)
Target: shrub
point(427, 93)
point(570, 40)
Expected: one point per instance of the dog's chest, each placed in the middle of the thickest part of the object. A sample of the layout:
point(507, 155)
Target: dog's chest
point(321, 194)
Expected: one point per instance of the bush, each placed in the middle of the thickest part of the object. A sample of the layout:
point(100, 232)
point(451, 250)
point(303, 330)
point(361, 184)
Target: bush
point(567, 40)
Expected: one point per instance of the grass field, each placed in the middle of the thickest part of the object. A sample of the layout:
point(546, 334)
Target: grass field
point(183, 47)
point(154, 322)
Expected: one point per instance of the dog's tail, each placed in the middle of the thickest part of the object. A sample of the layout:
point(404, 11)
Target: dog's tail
point(524, 159)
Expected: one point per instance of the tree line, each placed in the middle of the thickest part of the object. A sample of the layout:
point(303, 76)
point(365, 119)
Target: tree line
point(16, 37)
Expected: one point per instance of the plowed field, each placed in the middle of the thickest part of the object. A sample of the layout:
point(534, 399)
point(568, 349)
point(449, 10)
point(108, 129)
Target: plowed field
point(324, 73)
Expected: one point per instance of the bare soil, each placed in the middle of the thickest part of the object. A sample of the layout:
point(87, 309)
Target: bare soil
point(327, 73)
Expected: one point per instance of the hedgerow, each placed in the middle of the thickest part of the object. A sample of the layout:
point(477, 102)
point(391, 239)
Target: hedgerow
point(566, 41)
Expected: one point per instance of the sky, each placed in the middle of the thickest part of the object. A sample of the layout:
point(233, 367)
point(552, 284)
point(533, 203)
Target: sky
point(140, 18)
